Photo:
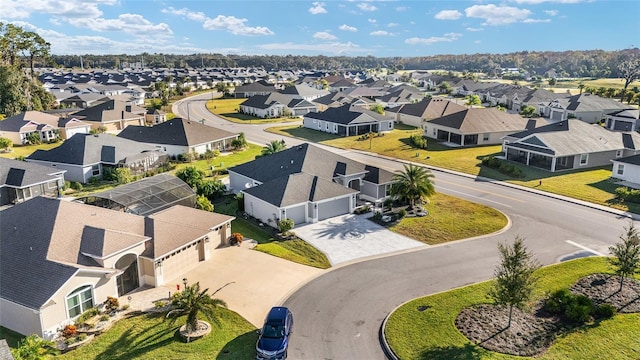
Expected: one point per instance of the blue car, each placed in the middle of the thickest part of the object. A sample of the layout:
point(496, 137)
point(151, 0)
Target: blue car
point(274, 336)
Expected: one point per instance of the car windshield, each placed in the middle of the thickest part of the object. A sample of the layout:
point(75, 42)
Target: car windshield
point(273, 331)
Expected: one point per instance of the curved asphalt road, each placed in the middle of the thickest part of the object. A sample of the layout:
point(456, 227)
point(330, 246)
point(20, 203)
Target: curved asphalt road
point(338, 315)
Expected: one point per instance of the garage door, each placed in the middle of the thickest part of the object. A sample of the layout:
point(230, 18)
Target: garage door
point(297, 214)
point(181, 261)
point(71, 132)
point(333, 208)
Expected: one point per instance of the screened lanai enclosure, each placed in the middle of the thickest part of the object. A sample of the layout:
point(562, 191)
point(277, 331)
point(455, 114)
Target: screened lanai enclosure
point(146, 196)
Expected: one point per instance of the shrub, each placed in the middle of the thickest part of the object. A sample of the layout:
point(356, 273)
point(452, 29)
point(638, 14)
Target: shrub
point(285, 225)
point(69, 331)
point(418, 141)
point(604, 311)
point(104, 318)
point(76, 186)
point(70, 340)
point(88, 314)
point(67, 184)
point(159, 304)
point(236, 239)
point(377, 216)
point(82, 337)
point(623, 193)
point(94, 180)
point(124, 307)
point(580, 309)
point(111, 304)
point(502, 166)
point(557, 302)
point(402, 213)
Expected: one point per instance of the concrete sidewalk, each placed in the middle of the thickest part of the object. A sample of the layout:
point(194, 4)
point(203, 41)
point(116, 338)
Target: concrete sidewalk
point(352, 237)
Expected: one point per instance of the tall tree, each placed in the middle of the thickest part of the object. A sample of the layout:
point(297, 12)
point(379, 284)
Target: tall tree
point(413, 184)
point(630, 71)
point(191, 302)
point(191, 176)
point(515, 277)
point(626, 254)
point(273, 147)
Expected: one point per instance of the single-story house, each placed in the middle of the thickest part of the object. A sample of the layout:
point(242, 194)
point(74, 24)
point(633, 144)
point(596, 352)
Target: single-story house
point(347, 121)
point(88, 155)
point(21, 181)
point(627, 169)
point(49, 127)
point(179, 136)
point(623, 120)
point(417, 114)
point(113, 115)
point(569, 144)
point(306, 184)
point(254, 88)
point(154, 117)
point(276, 105)
point(472, 127)
point(76, 255)
point(586, 107)
point(303, 91)
point(83, 100)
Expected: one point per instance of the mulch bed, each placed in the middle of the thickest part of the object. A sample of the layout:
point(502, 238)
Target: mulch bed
point(532, 332)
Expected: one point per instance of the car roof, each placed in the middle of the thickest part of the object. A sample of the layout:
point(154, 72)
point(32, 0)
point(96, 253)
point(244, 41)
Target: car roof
point(277, 313)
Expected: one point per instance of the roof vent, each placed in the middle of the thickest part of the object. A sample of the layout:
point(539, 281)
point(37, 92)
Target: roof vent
point(291, 161)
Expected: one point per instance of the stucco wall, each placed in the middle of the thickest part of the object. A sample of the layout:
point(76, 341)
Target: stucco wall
point(74, 172)
point(595, 159)
point(19, 318)
point(260, 209)
point(238, 182)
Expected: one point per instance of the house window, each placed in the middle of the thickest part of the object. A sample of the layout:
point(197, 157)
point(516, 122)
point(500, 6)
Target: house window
point(620, 169)
point(95, 170)
point(485, 137)
point(79, 301)
point(618, 153)
point(584, 158)
point(435, 132)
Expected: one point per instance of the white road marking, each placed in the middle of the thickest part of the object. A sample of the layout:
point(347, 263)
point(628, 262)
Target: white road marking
point(473, 196)
point(584, 248)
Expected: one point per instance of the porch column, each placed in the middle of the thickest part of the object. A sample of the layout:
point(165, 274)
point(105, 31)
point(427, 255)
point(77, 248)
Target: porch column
point(448, 136)
point(462, 140)
point(553, 164)
point(528, 157)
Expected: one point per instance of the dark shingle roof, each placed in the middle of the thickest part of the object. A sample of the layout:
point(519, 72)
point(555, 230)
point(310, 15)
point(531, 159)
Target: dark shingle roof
point(176, 132)
point(342, 115)
point(20, 174)
point(633, 159)
point(84, 149)
point(298, 188)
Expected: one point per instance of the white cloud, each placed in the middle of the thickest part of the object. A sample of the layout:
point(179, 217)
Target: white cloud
point(401, 8)
point(380, 33)
point(134, 24)
point(323, 35)
point(317, 8)
point(191, 15)
point(477, 42)
point(533, 21)
point(235, 26)
point(497, 15)
point(392, 24)
point(336, 48)
point(21, 9)
point(448, 37)
point(231, 24)
point(345, 27)
point(367, 7)
point(372, 21)
point(448, 15)
point(551, 1)
point(474, 29)
point(551, 12)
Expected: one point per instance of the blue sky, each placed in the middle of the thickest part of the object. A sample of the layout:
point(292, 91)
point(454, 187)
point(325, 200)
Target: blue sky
point(352, 28)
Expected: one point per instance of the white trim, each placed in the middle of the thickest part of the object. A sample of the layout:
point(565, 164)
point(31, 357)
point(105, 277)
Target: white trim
point(66, 299)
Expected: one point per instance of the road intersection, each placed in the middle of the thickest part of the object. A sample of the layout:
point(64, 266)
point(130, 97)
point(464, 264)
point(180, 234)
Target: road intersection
point(338, 315)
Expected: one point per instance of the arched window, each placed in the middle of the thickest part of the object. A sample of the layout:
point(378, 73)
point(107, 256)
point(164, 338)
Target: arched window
point(79, 301)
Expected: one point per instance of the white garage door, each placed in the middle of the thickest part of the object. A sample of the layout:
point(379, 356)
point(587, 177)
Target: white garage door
point(71, 132)
point(297, 214)
point(333, 208)
point(181, 261)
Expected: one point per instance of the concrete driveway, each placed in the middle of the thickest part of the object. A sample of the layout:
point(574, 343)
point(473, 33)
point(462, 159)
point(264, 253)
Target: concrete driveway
point(352, 237)
point(261, 281)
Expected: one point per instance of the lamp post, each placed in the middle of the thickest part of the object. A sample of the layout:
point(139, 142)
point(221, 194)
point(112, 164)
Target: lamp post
point(184, 281)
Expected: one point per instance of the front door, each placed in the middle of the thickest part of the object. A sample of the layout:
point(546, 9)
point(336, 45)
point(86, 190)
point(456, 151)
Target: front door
point(128, 280)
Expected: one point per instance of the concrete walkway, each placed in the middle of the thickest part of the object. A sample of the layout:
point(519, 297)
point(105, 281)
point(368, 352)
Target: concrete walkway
point(256, 282)
point(352, 237)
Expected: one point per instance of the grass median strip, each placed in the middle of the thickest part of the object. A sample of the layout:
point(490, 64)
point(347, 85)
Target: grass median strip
point(432, 334)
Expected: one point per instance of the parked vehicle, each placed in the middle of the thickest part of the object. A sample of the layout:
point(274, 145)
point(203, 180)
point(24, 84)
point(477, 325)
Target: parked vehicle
point(274, 336)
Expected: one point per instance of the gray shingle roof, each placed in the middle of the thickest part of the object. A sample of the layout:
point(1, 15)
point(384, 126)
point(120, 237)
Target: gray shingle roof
point(176, 132)
point(20, 174)
point(476, 121)
point(84, 149)
point(298, 188)
point(342, 115)
point(633, 159)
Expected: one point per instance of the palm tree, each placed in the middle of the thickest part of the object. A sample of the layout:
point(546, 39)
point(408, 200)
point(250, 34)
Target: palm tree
point(413, 184)
point(273, 147)
point(191, 301)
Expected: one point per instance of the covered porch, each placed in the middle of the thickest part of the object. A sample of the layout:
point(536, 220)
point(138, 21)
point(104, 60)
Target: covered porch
point(539, 158)
point(357, 129)
point(457, 139)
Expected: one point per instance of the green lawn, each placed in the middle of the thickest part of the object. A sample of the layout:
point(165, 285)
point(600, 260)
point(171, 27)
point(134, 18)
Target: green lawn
point(297, 250)
point(26, 150)
point(228, 109)
point(223, 162)
point(149, 337)
point(592, 185)
point(443, 222)
point(431, 334)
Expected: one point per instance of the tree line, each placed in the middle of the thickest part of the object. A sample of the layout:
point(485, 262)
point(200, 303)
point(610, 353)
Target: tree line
point(577, 63)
